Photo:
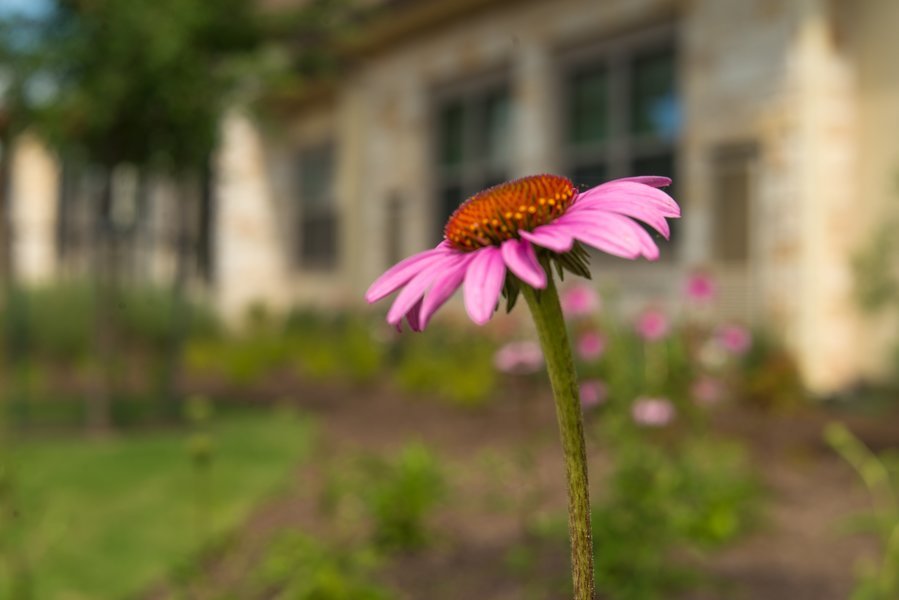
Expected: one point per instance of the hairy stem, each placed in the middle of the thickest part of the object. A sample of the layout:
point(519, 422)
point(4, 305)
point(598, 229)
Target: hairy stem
point(547, 313)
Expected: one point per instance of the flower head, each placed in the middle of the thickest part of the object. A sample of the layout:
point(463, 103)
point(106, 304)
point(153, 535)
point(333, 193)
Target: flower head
point(590, 345)
point(593, 392)
point(519, 358)
point(522, 226)
point(579, 300)
point(652, 412)
point(734, 338)
point(707, 390)
point(701, 287)
point(652, 325)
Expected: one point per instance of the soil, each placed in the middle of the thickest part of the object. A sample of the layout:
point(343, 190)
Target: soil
point(505, 467)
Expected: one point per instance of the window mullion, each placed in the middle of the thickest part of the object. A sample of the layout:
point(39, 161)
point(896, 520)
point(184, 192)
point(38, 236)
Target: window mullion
point(618, 149)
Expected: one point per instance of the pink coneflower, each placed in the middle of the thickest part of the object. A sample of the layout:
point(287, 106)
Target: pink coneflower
point(701, 287)
point(652, 325)
point(522, 226)
point(593, 393)
point(590, 345)
point(652, 412)
point(734, 338)
point(579, 300)
point(519, 358)
point(707, 390)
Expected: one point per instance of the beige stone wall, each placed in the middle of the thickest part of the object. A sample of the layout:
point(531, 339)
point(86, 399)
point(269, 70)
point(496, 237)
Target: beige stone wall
point(872, 32)
point(34, 193)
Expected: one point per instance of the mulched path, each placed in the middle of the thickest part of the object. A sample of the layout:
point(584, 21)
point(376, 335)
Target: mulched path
point(505, 466)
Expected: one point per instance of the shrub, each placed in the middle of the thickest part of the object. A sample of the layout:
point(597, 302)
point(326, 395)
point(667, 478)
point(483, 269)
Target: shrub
point(457, 366)
point(299, 567)
point(394, 495)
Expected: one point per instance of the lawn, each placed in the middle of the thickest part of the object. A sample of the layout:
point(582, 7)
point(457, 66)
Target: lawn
point(107, 518)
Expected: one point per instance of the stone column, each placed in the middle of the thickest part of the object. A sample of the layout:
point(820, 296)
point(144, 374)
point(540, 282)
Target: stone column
point(33, 210)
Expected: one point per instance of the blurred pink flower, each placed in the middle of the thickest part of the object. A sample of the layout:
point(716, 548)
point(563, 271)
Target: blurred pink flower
point(653, 325)
point(701, 287)
point(591, 345)
point(734, 338)
point(580, 300)
point(707, 390)
point(652, 412)
point(519, 358)
point(593, 393)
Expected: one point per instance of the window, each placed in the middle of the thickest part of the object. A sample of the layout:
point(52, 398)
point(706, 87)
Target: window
point(317, 232)
point(733, 177)
point(472, 144)
point(622, 111)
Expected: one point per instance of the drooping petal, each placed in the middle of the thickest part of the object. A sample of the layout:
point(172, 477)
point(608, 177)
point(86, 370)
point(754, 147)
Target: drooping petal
point(483, 283)
point(549, 237)
point(628, 207)
point(521, 259)
point(442, 289)
point(638, 192)
point(413, 317)
point(416, 287)
point(400, 273)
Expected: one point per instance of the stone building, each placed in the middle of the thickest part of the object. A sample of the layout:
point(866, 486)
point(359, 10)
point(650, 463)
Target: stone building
point(777, 120)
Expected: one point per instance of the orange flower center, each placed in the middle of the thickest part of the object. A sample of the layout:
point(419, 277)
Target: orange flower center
point(496, 214)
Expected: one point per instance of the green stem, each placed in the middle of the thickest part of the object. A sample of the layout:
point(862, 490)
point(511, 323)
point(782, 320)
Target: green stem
point(547, 313)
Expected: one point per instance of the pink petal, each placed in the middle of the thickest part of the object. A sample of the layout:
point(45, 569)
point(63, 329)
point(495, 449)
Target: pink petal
point(549, 237)
point(655, 181)
point(416, 287)
point(625, 206)
point(414, 318)
point(521, 259)
point(483, 283)
point(615, 235)
point(397, 275)
point(612, 233)
point(664, 203)
point(443, 289)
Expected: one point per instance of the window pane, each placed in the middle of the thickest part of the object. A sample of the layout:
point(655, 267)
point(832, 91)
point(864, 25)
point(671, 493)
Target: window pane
point(589, 106)
point(318, 241)
point(654, 106)
point(493, 134)
point(317, 227)
point(589, 175)
point(316, 177)
point(452, 128)
point(659, 164)
point(733, 178)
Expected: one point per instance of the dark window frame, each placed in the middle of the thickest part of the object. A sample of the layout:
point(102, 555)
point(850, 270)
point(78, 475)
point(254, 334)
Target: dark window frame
point(472, 175)
point(317, 229)
point(731, 240)
point(622, 149)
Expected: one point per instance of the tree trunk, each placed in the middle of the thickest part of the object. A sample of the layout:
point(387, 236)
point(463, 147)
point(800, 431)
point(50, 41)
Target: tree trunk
point(99, 405)
point(180, 314)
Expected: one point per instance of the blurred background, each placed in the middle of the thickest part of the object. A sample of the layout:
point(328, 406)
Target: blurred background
point(196, 402)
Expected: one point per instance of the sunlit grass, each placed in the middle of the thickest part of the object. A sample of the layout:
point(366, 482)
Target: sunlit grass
point(107, 518)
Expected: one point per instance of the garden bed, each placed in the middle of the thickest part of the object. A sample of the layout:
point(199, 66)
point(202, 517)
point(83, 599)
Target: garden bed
point(504, 470)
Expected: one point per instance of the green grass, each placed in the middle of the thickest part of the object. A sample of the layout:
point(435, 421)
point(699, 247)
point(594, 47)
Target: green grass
point(106, 518)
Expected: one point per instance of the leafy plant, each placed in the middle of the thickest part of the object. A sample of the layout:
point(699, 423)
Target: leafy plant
point(395, 496)
point(299, 567)
point(455, 365)
point(880, 474)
